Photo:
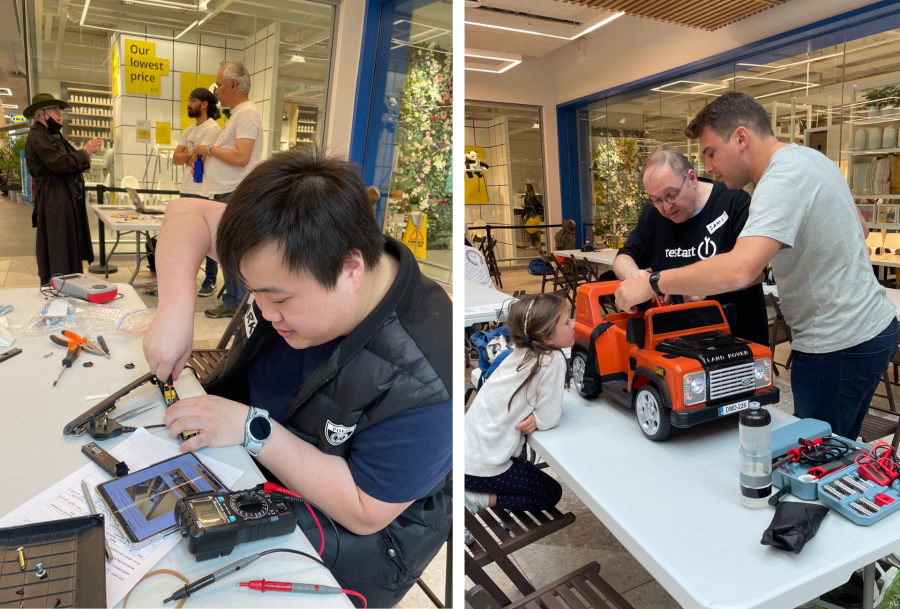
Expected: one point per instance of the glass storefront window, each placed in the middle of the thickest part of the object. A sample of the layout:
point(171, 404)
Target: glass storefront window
point(508, 140)
point(128, 70)
point(409, 135)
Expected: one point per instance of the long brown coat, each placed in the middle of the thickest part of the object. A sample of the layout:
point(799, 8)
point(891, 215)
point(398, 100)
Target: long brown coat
point(63, 236)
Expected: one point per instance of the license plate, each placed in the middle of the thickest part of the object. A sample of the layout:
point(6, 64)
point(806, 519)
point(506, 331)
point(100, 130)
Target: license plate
point(723, 410)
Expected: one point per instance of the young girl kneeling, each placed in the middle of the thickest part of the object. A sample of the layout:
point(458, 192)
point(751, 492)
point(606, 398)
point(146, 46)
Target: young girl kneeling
point(523, 394)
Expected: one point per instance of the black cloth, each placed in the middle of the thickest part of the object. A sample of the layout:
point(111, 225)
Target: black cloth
point(793, 525)
point(660, 244)
point(395, 360)
point(60, 216)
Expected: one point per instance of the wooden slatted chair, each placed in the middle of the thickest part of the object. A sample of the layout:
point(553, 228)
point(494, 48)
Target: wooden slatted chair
point(204, 361)
point(583, 588)
point(491, 258)
point(498, 534)
point(779, 332)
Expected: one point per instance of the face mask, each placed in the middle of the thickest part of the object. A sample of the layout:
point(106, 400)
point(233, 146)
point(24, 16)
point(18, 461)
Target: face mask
point(52, 126)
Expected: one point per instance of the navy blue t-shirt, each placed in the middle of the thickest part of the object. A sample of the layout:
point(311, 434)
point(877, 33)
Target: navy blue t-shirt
point(397, 460)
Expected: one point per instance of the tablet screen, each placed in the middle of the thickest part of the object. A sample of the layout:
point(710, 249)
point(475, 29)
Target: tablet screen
point(144, 502)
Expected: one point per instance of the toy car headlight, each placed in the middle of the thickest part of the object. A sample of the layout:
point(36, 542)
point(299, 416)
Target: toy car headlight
point(762, 372)
point(694, 388)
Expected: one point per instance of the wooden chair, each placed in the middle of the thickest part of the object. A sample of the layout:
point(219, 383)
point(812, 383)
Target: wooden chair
point(204, 361)
point(875, 427)
point(583, 588)
point(491, 258)
point(512, 530)
point(448, 579)
point(779, 332)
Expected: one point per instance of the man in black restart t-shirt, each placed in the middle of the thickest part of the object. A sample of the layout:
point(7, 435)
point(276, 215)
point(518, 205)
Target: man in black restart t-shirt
point(690, 219)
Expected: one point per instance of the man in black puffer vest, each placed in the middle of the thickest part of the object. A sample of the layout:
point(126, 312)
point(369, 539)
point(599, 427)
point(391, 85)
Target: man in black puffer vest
point(338, 380)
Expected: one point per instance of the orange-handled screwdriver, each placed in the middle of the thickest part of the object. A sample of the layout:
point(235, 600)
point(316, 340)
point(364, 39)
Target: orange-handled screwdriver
point(71, 355)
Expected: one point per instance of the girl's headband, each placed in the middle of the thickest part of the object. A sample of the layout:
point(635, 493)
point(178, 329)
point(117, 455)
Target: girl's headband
point(527, 314)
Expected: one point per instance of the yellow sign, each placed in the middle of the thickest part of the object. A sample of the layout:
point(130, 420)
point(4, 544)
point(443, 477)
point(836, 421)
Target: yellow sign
point(476, 186)
point(115, 69)
point(415, 235)
point(163, 133)
point(189, 82)
point(143, 69)
point(142, 127)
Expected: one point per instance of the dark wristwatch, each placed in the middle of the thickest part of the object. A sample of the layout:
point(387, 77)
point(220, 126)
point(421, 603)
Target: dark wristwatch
point(654, 280)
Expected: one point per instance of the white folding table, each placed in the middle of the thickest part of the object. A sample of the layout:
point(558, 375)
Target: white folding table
point(485, 304)
point(604, 256)
point(142, 225)
point(35, 454)
point(675, 506)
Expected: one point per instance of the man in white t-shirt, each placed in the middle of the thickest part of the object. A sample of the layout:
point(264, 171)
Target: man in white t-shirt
point(803, 221)
point(202, 107)
point(234, 155)
point(477, 268)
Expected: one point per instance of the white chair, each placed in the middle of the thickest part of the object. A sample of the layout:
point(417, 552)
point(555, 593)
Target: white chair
point(166, 184)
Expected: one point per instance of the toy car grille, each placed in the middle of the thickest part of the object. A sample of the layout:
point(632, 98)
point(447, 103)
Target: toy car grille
point(731, 381)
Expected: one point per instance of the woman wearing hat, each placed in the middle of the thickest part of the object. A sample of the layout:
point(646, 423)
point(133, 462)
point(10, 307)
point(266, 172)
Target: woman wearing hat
point(63, 237)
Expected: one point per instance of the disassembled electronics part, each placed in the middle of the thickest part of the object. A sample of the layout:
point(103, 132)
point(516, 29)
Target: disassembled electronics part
point(107, 462)
point(39, 571)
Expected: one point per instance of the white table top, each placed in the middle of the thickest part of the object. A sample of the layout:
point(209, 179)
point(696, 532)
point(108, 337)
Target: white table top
point(891, 261)
point(484, 304)
point(144, 223)
point(605, 256)
point(33, 414)
point(675, 506)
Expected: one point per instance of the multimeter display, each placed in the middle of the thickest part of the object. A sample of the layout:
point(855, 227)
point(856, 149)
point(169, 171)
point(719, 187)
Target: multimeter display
point(215, 522)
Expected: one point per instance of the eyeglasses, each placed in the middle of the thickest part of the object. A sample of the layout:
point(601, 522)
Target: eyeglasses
point(670, 198)
point(52, 109)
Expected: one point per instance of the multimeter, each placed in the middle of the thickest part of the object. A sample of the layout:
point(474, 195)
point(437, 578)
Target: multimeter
point(84, 287)
point(215, 522)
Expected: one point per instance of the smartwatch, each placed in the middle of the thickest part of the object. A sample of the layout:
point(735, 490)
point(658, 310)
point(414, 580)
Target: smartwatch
point(257, 430)
point(654, 280)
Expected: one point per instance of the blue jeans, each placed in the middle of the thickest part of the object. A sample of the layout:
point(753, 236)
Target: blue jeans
point(838, 387)
point(212, 267)
point(234, 289)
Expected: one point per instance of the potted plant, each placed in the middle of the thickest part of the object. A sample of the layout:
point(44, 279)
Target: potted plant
point(10, 164)
point(889, 100)
point(873, 99)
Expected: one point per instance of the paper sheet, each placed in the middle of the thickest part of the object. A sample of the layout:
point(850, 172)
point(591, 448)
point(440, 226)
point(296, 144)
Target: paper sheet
point(491, 308)
point(66, 500)
point(58, 308)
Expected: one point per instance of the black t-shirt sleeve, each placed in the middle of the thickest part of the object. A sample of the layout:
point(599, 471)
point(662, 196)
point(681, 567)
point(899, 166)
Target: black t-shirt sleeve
point(740, 206)
point(640, 243)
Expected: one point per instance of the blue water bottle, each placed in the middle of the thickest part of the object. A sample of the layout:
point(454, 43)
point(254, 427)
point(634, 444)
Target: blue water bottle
point(198, 170)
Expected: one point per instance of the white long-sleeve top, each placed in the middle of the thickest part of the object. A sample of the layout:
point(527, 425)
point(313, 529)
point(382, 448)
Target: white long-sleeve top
point(491, 435)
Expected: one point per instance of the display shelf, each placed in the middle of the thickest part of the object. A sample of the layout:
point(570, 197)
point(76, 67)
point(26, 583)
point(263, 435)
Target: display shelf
point(88, 137)
point(874, 120)
point(87, 114)
point(82, 103)
point(874, 152)
point(876, 197)
point(94, 91)
point(90, 126)
point(875, 225)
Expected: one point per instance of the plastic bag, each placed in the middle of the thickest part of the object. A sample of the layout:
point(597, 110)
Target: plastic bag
point(81, 317)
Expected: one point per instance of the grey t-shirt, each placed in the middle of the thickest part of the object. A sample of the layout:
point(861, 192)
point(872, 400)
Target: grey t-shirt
point(827, 289)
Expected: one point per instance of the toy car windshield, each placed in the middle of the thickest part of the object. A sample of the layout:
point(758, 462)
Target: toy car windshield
point(686, 319)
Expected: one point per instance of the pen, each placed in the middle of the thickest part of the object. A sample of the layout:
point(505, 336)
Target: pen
point(90, 504)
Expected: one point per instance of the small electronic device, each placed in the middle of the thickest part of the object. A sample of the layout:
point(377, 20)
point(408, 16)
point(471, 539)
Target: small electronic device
point(92, 289)
point(142, 504)
point(215, 522)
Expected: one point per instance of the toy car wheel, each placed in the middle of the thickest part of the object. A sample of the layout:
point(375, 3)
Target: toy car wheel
point(579, 368)
point(652, 414)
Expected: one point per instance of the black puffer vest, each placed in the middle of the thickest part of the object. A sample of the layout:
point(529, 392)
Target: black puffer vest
point(397, 359)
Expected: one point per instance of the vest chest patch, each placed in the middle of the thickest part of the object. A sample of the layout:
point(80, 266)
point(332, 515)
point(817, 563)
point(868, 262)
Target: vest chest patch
point(337, 434)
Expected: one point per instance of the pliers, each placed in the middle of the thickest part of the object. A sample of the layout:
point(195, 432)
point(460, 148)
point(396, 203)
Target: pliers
point(72, 340)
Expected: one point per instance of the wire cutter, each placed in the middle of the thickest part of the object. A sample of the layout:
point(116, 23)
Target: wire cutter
point(71, 340)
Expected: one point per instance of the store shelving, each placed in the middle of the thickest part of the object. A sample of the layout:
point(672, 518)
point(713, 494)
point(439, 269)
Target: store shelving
point(882, 152)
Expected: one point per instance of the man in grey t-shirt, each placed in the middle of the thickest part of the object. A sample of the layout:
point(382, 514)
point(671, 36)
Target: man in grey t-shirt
point(803, 221)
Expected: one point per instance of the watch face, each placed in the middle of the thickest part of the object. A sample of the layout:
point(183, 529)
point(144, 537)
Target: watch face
point(260, 428)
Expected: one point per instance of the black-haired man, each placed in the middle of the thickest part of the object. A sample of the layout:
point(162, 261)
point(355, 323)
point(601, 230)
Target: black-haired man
point(343, 346)
point(803, 220)
point(202, 106)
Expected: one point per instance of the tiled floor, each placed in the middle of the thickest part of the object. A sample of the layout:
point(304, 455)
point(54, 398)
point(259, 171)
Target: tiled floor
point(588, 539)
point(18, 269)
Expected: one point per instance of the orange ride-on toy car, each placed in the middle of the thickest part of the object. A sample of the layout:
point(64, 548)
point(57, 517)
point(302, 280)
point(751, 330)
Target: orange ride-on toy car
point(678, 365)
